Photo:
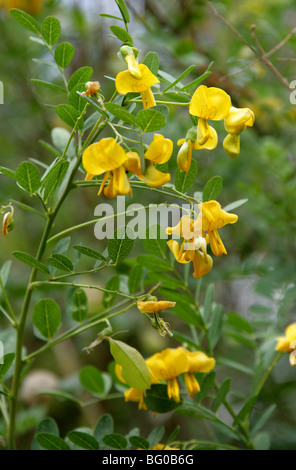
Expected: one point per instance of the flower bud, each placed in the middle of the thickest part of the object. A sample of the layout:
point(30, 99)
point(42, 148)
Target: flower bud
point(8, 223)
point(92, 88)
point(128, 53)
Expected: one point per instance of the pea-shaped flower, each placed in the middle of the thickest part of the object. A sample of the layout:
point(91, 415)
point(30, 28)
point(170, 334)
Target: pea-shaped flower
point(127, 83)
point(235, 122)
point(208, 104)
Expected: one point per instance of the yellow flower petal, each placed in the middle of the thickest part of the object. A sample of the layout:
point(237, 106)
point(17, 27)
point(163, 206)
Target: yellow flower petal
point(175, 249)
point(102, 156)
point(211, 142)
point(216, 243)
point(133, 164)
point(169, 363)
point(154, 178)
point(202, 264)
point(210, 103)
point(184, 156)
point(238, 119)
point(160, 150)
point(154, 306)
point(184, 229)
point(173, 389)
point(148, 99)
point(126, 83)
point(231, 145)
point(214, 217)
point(200, 362)
point(119, 183)
point(192, 384)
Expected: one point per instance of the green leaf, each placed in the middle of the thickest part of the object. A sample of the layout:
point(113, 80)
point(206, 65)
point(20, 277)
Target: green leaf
point(30, 261)
point(45, 84)
point(89, 252)
point(51, 30)
point(121, 34)
point(47, 317)
point(69, 115)
point(109, 297)
point(155, 241)
point(61, 262)
point(183, 180)
point(28, 177)
point(150, 120)
point(116, 441)
point(263, 418)
point(123, 10)
point(76, 99)
point(246, 410)
point(157, 400)
point(196, 82)
point(78, 304)
point(156, 436)
point(91, 379)
point(53, 178)
point(221, 395)
point(80, 77)
point(235, 204)
point(25, 20)
point(262, 441)
point(139, 442)
point(46, 425)
point(208, 303)
point(151, 61)
point(212, 188)
point(153, 263)
point(206, 386)
point(104, 426)
point(236, 365)
point(183, 75)
point(7, 172)
point(51, 441)
point(64, 54)
point(134, 369)
point(83, 440)
point(7, 361)
point(135, 278)
point(239, 322)
point(121, 113)
point(121, 245)
point(4, 272)
point(216, 326)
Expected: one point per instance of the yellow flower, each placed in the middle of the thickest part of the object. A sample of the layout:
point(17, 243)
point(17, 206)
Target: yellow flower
point(106, 155)
point(133, 164)
point(167, 365)
point(118, 183)
point(8, 223)
point(287, 343)
point(208, 104)
point(127, 83)
point(193, 247)
point(160, 150)
point(184, 156)
point(136, 395)
point(152, 306)
point(198, 362)
point(155, 178)
point(231, 145)
point(236, 120)
point(214, 218)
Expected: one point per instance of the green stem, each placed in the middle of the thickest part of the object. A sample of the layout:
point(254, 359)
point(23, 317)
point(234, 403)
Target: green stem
point(266, 374)
point(77, 330)
point(83, 286)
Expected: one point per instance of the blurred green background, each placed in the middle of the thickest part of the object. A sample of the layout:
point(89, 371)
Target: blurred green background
point(257, 278)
